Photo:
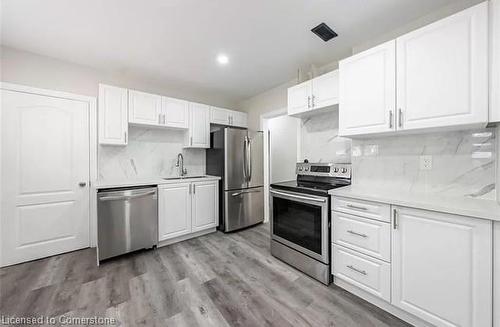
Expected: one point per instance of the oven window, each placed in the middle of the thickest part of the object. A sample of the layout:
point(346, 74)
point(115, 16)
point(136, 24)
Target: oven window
point(297, 222)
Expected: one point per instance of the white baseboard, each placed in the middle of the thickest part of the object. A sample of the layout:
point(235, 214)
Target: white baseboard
point(186, 237)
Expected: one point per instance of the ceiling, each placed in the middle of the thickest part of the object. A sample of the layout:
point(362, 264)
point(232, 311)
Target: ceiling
point(178, 40)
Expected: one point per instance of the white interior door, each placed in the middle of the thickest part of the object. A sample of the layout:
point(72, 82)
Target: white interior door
point(45, 161)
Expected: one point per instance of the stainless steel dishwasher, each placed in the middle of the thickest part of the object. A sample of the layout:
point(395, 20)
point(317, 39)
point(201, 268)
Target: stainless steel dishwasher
point(127, 220)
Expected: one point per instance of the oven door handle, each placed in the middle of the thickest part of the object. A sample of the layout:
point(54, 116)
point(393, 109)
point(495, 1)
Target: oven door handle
point(298, 197)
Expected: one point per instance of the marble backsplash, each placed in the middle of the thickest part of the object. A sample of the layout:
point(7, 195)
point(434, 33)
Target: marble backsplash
point(149, 153)
point(320, 141)
point(463, 163)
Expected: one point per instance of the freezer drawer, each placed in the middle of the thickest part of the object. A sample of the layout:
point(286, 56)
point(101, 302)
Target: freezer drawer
point(243, 208)
point(127, 221)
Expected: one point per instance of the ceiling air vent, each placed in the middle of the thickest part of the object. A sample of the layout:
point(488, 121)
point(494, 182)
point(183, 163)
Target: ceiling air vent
point(324, 32)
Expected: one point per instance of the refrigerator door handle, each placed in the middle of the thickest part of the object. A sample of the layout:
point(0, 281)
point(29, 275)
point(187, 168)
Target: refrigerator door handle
point(245, 169)
point(249, 148)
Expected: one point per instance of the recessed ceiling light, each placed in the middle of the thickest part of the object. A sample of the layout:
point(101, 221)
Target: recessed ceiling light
point(222, 59)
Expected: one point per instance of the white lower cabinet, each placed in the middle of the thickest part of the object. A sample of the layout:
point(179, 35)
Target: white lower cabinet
point(496, 275)
point(204, 207)
point(369, 274)
point(174, 210)
point(442, 267)
point(187, 208)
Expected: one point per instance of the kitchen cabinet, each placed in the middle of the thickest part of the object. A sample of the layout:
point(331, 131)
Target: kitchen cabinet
point(199, 126)
point(367, 83)
point(496, 274)
point(145, 108)
point(205, 205)
point(187, 208)
point(441, 79)
point(442, 72)
point(494, 61)
point(442, 267)
point(175, 112)
point(228, 117)
point(174, 206)
point(113, 115)
point(318, 93)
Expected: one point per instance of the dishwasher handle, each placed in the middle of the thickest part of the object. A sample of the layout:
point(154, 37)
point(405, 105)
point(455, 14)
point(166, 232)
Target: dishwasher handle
point(126, 197)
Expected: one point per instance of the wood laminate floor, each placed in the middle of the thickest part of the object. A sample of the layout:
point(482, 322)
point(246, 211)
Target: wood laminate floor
point(214, 280)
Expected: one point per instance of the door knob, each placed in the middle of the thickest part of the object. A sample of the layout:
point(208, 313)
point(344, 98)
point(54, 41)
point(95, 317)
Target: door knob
point(82, 184)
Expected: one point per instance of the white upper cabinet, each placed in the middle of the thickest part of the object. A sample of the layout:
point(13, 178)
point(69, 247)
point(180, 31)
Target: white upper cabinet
point(318, 93)
point(442, 267)
point(441, 82)
point(228, 117)
point(239, 119)
point(325, 90)
point(113, 115)
point(199, 126)
point(442, 72)
point(368, 91)
point(299, 98)
point(145, 108)
point(220, 116)
point(175, 112)
point(205, 205)
point(495, 62)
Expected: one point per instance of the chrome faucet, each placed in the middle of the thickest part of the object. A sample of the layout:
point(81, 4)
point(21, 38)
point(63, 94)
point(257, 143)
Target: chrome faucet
point(180, 165)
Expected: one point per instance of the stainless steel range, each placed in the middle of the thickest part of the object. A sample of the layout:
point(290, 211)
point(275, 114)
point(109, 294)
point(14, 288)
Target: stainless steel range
point(300, 217)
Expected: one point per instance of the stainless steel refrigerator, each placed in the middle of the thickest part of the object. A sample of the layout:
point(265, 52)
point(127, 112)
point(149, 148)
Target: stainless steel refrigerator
point(236, 155)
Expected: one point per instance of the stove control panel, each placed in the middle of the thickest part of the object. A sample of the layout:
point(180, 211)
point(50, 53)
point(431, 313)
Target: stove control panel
point(323, 169)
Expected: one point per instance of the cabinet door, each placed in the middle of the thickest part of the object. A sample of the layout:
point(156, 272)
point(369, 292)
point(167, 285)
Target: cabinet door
point(442, 72)
point(175, 112)
point(174, 211)
point(299, 98)
point(144, 108)
point(495, 62)
point(442, 267)
point(325, 90)
point(199, 126)
point(239, 119)
point(113, 119)
point(205, 205)
point(367, 86)
point(496, 275)
point(219, 116)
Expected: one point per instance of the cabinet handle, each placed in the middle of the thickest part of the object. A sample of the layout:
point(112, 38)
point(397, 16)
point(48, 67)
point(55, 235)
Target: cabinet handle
point(312, 102)
point(191, 140)
point(308, 102)
point(194, 188)
point(352, 206)
point(391, 117)
point(125, 136)
point(362, 272)
point(163, 119)
point(395, 219)
point(357, 234)
point(400, 117)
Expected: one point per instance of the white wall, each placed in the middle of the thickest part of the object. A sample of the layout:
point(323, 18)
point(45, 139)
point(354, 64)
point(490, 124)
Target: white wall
point(25, 68)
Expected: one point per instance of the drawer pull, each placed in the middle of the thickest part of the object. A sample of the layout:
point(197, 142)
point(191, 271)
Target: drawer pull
point(362, 272)
point(357, 234)
point(352, 206)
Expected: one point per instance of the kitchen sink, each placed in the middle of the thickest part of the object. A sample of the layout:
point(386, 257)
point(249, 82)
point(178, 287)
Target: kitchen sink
point(183, 177)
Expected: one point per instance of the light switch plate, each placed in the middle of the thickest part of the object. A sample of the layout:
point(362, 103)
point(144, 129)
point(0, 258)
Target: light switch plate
point(425, 162)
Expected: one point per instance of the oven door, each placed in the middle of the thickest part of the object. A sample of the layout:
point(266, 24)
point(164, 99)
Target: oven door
point(300, 221)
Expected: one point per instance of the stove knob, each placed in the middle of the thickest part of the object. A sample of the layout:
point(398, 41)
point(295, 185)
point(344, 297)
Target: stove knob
point(335, 170)
point(307, 168)
point(300, 168)
point(344, 170)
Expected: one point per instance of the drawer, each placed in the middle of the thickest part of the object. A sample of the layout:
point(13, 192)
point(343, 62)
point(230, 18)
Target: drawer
point(367, 209)
point(370, 275)
point(368, 236)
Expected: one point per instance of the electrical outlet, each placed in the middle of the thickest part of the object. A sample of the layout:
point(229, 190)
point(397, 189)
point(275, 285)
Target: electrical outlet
point(425, 162)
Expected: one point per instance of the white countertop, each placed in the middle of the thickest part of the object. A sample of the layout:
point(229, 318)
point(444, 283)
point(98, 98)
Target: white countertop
point(101, 184)
point(465, 206)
